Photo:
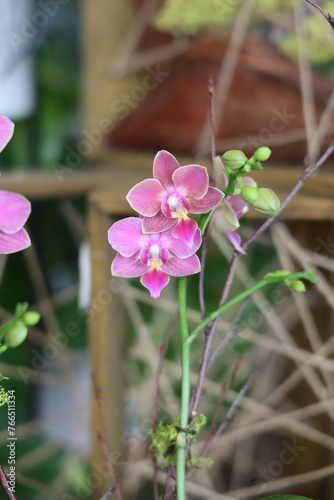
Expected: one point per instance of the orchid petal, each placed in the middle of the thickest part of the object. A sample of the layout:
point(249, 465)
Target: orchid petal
point(208, 202)
point(191, 181)
point(221, 179)
point(127, 267)
point(235, 239)
point(165, 209)
point(157, 224)
point(6, 131)
point(146, 197)
point(164, 255)
point(179, 247)
point(224, 218)
point(14, 211)
point(126, 236)
point(143, 256)
point(164, 165)
point(185, 230)
point(11, 243)
point(155, 280)
point(182, 267)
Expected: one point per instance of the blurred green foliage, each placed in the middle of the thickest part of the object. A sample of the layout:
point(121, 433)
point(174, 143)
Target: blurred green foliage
point(38, 142)
point(191, 17)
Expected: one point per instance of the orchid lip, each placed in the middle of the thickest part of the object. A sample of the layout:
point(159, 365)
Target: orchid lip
point(176, 205)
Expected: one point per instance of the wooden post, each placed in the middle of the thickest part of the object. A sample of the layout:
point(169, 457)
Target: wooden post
point(104, 25)
point(106, 322)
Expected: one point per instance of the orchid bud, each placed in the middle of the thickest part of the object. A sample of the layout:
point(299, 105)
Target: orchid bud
point(267, 202)
point(262, 154)
point(247, 168)
point(257, 166)
point(298, 286)
point(234, 159)
point(31, 318)
point(221, 178)
point(224, 218)
point(249, 193)
point(16, 335)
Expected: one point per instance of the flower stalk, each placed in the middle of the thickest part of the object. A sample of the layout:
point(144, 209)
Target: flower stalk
point(283, 277)
point(181, 442)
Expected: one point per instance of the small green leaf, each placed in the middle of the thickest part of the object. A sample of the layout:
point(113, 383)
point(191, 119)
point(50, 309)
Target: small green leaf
point(204, 220)
point(285, 497)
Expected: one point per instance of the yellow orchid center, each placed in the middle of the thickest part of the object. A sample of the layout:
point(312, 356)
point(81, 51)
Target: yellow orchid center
point(182, 214)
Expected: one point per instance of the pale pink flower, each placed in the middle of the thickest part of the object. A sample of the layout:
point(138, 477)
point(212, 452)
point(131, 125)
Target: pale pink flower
point(14, 208)
point(226, 216)
point(175, 191)
point(14, 211)
point(151, 256)
point(6, 131)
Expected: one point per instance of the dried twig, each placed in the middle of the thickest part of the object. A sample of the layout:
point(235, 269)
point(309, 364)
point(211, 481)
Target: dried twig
point(224, 390)
point(209, 335)
point(204, 250)
point(102, 441)
point(304, 176)
point(162, 353)
point(108, 493)
point(326, 15)
point(230, 416)
point(229, 335)
point(5, 485)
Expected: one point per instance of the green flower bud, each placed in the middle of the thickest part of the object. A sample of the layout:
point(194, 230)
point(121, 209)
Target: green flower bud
point(234, 159)
point(267, 202)
point(247, 168)
point(16, 335)
point(257, 166)
point(262, 154)
point(298, 286)
point(31, 318)
point(250, 194)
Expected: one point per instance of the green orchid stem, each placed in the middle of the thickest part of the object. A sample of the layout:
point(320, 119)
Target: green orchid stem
point(204, 221)
point(240, 181)
point(181, 442)
point(243, 295)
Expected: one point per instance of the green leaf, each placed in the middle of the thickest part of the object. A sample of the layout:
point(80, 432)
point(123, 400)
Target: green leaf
point(285, 497)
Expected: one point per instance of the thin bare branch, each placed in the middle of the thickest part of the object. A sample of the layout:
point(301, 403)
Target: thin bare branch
point(5, 485)
point(102, 440)
point(230, 334)
point(162, 353)
point(223, 392)
point(326, 15)
point(108, 493)
point(304, 176)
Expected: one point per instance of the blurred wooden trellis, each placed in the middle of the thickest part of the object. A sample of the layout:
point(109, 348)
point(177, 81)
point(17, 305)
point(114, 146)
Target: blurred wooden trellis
point(113, 171)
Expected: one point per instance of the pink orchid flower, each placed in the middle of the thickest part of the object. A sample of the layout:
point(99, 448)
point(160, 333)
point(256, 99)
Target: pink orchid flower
point(175, 191)
point(6, 131)
point(227, 214)
point(14, 211)
point(151, 256)
point(14, 208)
